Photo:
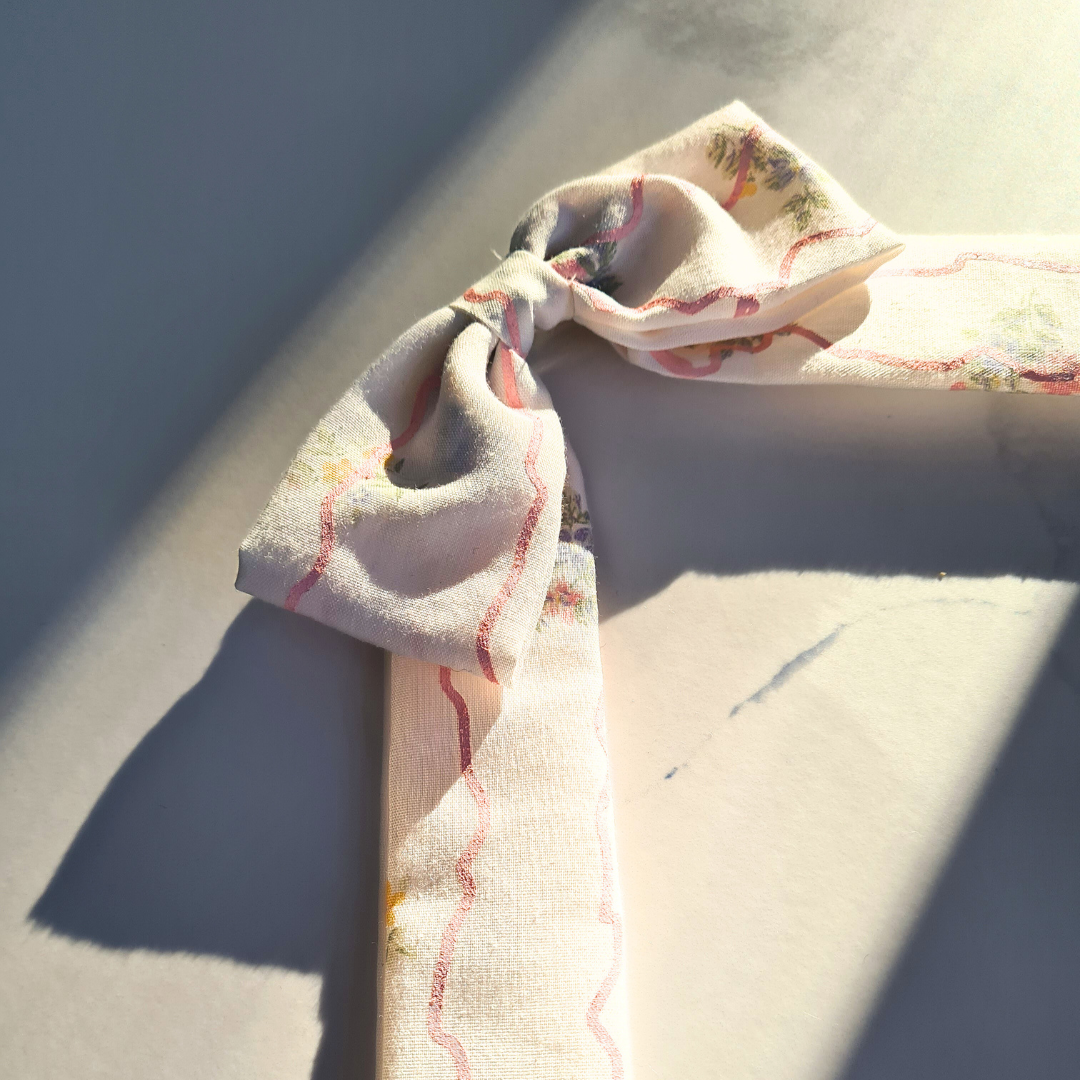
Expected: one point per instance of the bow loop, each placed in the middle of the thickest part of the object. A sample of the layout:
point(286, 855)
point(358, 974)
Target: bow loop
point(423, 512)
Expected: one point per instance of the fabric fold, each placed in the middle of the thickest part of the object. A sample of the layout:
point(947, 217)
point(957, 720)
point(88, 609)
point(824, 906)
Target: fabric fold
point(437, 511)
point(422, 513)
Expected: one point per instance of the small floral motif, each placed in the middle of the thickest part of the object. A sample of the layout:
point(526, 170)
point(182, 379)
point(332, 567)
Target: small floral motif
point(772, 166)
point(755, 343)
point(576, 526)
point(571, 596)
point(326, 460)
point(565, 602)
point(802, 204)
point(333, 472)
point(1024, 350)
point(394, 939)
point(320, 460)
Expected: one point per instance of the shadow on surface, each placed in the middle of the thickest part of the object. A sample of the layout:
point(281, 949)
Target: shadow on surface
point(246, 824)
point(180, 184)
point(726, 479)
point(988, 984)
point(729, 480)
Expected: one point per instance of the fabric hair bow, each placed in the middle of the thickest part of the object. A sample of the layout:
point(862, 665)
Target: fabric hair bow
point(438, 512)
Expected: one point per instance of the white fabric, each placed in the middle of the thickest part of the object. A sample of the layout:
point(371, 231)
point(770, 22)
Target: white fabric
point(436, 512)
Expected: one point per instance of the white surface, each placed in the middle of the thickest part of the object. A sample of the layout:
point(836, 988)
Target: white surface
point(864, 865)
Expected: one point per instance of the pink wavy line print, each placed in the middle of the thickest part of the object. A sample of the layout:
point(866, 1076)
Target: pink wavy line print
point(746, 304)
point(637, 202)
point(682, 368)
point(685, 369)
point(747, 300)
point(571, 269)
point(509, 380)
point(955, 362)
point(814, 238)
point(1054, 376)
point(513, 331)
point(745, 157)
point(466, 880)
point(327, 535)
point(803, 332)
point(965, 257)
point(521, 550)
point(609, 916)
point(842, 353)
point(540, 491)
point(370, 463)
point(419, 410)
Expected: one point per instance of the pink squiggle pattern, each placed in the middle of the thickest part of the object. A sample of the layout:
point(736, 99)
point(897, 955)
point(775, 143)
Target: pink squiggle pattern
point(810, 335)
point(609, 916)
point(509, 379)
point(540, 491)
point(745, 157)
point(637, 203)
point(1073, 369)
point(521, 550)
point(466, 880)
point(370, 463)
point(843, 353)
point(748, 301)
point(327, 534)
point(683, 368)
point(513, 330)
point(814, 238)
point(571, 269)
point(1068, 374)
point(965, 257)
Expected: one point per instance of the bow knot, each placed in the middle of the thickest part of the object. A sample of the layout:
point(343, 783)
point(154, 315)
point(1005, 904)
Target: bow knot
point(522, 294)
point(423, 513)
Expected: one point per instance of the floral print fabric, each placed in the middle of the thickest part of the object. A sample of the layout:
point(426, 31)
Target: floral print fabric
point(436, 511)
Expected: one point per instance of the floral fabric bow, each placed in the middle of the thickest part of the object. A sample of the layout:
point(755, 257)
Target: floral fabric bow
point(437, 512)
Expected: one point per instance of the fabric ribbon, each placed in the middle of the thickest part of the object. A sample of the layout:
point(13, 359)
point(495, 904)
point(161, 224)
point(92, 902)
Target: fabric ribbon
point(437, 539)
point(437, 512)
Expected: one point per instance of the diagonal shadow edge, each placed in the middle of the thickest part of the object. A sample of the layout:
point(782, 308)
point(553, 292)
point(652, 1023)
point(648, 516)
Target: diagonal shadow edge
point(987, 981)
point(232, 183)
point(245, 824)
point(732, 479)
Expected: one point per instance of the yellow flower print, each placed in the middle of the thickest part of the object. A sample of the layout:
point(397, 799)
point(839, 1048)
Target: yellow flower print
point(334, 472)
point(392, 901)
point(749, 188)
point(395, 935)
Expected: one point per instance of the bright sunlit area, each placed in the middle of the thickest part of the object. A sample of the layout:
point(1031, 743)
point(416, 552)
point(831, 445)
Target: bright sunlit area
point(838, 624)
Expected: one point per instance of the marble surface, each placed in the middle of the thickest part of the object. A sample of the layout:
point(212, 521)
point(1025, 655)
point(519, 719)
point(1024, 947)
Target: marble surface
point(839, 630)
